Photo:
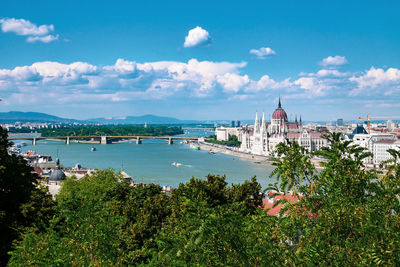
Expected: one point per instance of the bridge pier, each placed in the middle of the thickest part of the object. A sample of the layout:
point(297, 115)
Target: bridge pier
point(67, 141)
point(138, 140)
point(103, 140)
point(170, 141)
point(34, 141)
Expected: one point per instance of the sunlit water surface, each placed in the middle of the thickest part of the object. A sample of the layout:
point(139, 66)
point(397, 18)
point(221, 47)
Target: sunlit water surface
point(151, 162)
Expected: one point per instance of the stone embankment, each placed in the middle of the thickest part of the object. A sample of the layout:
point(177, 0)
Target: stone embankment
point(232, 152)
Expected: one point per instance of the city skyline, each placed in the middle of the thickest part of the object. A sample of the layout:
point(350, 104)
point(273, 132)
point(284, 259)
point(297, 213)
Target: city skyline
point(201, 62)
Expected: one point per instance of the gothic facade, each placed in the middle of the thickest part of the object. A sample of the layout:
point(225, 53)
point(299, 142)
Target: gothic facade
point(262, 138)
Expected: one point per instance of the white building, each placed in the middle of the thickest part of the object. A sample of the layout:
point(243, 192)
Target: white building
point(223, 133)
point(376, 143)
point(381, 147)
point(263, 137)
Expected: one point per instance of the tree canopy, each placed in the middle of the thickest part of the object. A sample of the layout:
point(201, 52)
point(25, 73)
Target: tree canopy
point(113, 130)
point(24, 204)
point(345, 215)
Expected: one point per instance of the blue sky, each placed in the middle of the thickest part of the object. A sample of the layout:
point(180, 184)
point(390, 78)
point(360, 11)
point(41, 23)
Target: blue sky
point(201, 60)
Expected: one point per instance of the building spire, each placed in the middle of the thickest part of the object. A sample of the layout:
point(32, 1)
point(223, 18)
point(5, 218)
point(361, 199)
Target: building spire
point(256, 123)
point(295, 120)
point(263, 126)
point(279, 104)
point(300, 120)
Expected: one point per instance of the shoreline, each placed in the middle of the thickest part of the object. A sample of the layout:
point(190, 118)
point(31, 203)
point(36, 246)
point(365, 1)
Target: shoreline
point(225, 150)
point(243, 155)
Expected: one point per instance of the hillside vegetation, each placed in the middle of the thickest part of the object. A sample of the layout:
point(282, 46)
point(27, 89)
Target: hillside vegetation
point(112, 130)
point(345, 216)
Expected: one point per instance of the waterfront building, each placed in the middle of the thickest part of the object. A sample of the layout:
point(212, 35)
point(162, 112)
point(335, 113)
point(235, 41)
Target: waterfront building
point(380, 150)
point(377, 143)
point(263, 137)
point(390, 125)
point(339, 122)
point(223, 133)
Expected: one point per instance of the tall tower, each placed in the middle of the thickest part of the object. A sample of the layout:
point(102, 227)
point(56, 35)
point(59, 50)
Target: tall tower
point(256, 124)
point(263, 125)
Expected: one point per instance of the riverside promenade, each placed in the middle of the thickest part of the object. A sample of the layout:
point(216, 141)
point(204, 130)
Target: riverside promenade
point(232, 152)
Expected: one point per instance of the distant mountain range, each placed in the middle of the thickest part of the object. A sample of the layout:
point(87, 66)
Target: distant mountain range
point(18, 116)
point(151, 119)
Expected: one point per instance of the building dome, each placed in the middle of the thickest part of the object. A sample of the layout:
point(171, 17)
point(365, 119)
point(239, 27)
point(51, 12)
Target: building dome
point(57, 174)
point(279, 113)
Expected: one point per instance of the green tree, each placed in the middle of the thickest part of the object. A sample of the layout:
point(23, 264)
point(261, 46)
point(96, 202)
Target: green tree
point(24, 205)
point(213, 224)
point(346, 214)
point(100, 220)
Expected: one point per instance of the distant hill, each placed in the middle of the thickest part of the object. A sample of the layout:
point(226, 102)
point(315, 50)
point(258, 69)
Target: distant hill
point(18, 116)
point(150, 119)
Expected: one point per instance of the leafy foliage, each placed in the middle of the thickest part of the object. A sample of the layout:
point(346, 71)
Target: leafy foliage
point(232, 141)
point(345, 215)
point(112, 130)
point(24, 205)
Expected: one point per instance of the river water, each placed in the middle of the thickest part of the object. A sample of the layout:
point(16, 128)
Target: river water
point(151, 161)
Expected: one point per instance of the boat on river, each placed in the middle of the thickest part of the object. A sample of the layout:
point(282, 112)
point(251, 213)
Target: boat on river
point(194, 146)
point(93, 148)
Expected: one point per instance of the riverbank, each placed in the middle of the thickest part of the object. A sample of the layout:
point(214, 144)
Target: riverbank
point(255, 158)
point(214, 148)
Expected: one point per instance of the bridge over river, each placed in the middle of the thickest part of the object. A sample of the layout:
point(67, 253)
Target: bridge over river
point(104, 139)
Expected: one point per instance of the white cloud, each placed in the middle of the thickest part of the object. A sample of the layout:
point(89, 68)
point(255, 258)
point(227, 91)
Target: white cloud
point(330, 73)
point(34, 33)
point(151, 80)
point(263, 52)
point(127, 80)
point(313, 86)
point(197, 37)
point(232, 82)
point(377, 80)
point(44, 39)
point(333, 61)
point(266, 83)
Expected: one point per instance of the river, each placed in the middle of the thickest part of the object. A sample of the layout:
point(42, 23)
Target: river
point(151, 161)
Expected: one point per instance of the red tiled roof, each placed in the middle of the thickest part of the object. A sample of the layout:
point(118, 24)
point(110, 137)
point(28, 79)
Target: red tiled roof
point(269, 203)
point(386, 141)
point(316, 134)
point(37, 170)
point(293, 135)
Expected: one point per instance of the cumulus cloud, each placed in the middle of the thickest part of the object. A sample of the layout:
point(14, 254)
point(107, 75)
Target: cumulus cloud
point(330, 73)
point(34, 33)
point(126, 80)
point(263, 52)
point(130, 79)
point(377, 80)
point(335, 61)
point(44, 39)
point(197, 37)
point(232, 82)
point(266, 83)
point(313, 86)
